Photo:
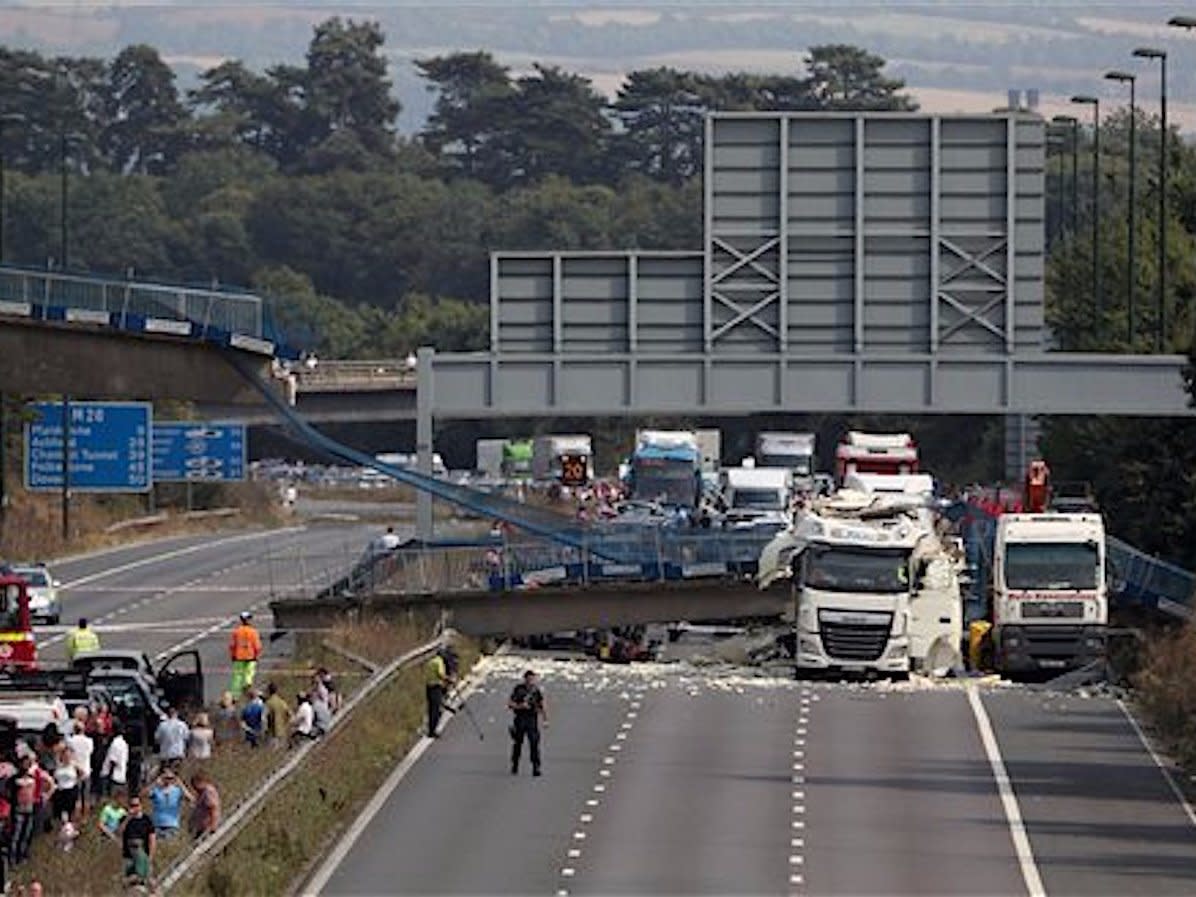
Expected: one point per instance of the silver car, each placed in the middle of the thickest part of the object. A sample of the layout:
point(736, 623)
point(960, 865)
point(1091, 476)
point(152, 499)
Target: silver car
point(43, 592)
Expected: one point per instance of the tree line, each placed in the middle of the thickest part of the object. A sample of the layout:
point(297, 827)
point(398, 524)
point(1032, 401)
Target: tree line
point(295, 177)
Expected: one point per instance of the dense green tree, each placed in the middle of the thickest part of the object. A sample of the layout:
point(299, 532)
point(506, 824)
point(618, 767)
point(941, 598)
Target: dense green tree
point(346, 88)
point(471, 90)
point(841, 76)
point(143, 130)
point(663, 114)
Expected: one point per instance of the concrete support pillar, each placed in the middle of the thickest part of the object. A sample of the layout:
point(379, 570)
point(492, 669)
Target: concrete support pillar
point(424, 434)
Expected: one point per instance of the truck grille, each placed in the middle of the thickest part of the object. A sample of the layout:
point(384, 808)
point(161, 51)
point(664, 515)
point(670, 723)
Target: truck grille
point(854, 641)
point(1060, 610)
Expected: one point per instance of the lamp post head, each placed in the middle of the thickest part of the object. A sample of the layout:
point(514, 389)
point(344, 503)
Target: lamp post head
point(1086, 100)
point(1150, 53)
point(1117, 75)
point(1182, 22)
point(1064, 119)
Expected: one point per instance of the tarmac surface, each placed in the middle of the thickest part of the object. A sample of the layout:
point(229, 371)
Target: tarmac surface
point(676, 779)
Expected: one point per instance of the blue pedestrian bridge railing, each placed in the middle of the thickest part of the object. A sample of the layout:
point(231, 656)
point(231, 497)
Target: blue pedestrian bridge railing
point(226, 317)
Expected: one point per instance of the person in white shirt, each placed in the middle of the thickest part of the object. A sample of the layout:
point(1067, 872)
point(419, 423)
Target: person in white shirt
point(171, 737)
point(115, 771)
point(304, 721)
point(82, 747)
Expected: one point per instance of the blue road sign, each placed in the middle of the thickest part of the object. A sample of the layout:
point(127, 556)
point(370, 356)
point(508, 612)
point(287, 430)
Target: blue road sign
point(110, 446)
point(198, 450)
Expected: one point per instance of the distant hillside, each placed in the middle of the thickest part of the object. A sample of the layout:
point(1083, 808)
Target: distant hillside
point(953, 55)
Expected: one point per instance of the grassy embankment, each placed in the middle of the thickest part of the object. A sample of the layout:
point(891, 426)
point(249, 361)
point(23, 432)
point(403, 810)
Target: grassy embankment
point(93, 866)
point(297, 825)
point(1166, 691)
point(31, 527)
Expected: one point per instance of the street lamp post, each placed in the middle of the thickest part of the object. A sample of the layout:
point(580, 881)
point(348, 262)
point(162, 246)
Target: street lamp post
point(1131, 259)
point(1075, 166)
point(1094, 102)
point(1058, 141)
point(1161, 239)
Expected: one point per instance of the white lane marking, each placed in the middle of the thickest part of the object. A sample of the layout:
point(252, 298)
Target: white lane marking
point(1158, 761)
point(608, 760)
point(593, 802)
point(797, 842)
point(568, 872)
point(177, 553)
point(336, 857)
point(574, 853)
point(605, 773)
point(795, 860)
point(798, 824)
point(579, 836)
point(587, 817)
point(599, 788)
point(1013, 812)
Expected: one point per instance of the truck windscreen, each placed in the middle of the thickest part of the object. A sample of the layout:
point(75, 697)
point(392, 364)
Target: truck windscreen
point(668, 482)
point(759, 499)
point(1051, 565)
point(856, 570)
point(799, 464)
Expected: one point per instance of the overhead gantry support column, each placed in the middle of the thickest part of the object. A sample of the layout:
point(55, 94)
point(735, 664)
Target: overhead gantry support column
point(424, 427)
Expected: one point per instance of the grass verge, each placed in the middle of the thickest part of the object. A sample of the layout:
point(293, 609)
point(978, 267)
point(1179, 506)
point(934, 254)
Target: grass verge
point(31, 526)
point(297, 824)
point(1166, 691)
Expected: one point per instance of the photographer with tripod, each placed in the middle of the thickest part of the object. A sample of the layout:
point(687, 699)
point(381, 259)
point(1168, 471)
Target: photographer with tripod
point(527, 704)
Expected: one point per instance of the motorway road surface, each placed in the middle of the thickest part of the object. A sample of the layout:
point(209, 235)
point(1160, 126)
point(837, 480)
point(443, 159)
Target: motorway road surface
point(664, 779)
point(185, 593)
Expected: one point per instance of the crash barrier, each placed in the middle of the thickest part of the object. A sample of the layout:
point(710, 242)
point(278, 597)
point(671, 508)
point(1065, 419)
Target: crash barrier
point(500, 563)
point(1150, 582)
point(1138, 579)
point(244, 811)
point(224, 317)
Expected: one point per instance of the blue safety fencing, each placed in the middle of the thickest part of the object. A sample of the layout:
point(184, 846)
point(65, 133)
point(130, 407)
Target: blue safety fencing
point(225, 317)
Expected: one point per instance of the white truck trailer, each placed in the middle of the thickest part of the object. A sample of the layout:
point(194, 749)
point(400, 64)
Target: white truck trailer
point(875, 588)
point(1050, 592)
point(568, 460)
point(794, 452)
point(756, 496)
point(489, 458)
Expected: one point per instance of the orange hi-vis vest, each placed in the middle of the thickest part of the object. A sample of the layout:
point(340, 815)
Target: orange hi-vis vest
point(245, 644)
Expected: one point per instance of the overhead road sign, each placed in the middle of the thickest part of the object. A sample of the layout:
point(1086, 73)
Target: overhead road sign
point(190, 451)
point(109, 451)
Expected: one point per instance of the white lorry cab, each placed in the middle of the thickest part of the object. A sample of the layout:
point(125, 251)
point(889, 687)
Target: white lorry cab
point(1050, 592)
point(794, 452)
point(874, 587)
point(756, 496)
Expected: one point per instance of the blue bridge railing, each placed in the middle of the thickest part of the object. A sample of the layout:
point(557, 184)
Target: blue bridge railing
point(226, 317)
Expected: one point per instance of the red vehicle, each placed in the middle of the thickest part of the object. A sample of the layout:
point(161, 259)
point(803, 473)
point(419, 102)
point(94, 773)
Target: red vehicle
point(18, 650)
point(883, 453)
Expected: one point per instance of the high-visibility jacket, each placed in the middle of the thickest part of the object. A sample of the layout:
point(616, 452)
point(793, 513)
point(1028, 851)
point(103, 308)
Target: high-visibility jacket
point(81, 640)
point(245, 644)
point(435, 672)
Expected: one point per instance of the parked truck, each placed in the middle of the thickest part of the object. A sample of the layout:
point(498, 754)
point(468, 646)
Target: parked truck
point(794, 452)
point(517, 459)
point(887, 453)
point(489, 458)
point(1050, 608)
point(568, 460)
point(875, 589)
point(756, 497)
point(666, 467)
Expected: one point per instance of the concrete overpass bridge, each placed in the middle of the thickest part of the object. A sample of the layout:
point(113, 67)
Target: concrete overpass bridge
point(70, 332)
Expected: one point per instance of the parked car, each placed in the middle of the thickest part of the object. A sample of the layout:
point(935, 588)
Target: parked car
point(44, 605)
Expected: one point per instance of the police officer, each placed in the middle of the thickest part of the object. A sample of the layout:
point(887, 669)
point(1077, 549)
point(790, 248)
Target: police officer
point(435, 684)
point(527, 705)
point(80, 640)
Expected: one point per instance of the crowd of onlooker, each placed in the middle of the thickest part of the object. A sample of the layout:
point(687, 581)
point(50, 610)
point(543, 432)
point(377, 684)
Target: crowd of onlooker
point(54, 784)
